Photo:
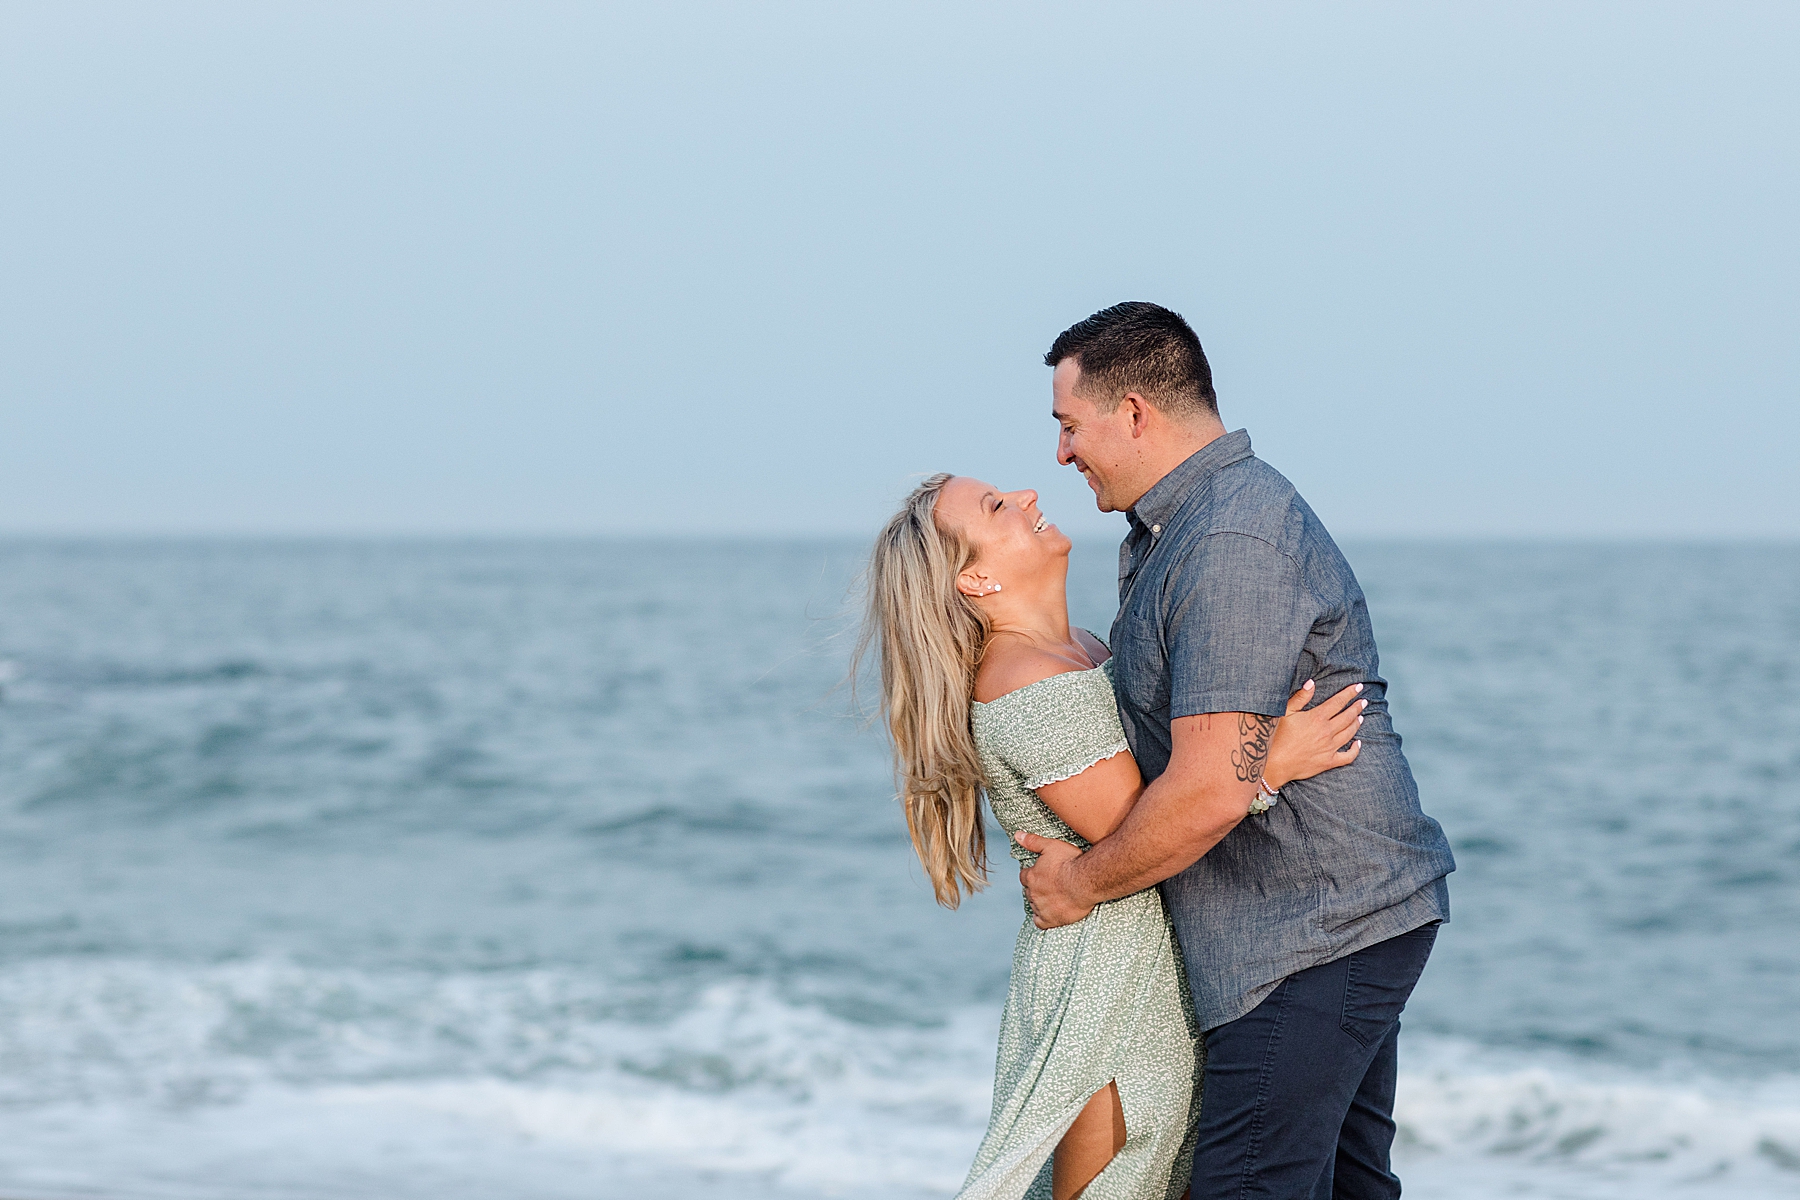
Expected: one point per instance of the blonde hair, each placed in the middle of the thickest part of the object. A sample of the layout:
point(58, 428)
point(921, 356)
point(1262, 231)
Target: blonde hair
point(931, 638)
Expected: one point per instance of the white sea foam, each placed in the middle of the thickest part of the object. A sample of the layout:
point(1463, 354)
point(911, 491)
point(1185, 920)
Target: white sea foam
point(251, 1077)
point(1474, 1124)
point(273, 1080)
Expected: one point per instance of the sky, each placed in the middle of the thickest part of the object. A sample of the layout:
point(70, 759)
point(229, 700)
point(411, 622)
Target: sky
point(1521, 270)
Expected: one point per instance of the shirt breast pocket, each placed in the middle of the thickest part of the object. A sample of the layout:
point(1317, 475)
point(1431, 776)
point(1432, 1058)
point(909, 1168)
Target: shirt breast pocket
point(1140, 669)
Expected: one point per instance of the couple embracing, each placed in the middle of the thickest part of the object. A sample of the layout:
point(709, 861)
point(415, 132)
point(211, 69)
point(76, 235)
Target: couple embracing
point(1230, 885)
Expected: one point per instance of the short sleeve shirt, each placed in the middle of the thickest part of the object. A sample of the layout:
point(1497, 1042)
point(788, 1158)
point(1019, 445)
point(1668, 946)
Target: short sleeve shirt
point(1232, 595)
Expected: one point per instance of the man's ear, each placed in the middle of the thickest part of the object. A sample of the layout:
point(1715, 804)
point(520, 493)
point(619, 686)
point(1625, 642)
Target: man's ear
point(1138, 412)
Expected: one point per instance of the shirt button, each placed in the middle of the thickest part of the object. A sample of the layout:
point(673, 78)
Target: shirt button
point(1156, 529)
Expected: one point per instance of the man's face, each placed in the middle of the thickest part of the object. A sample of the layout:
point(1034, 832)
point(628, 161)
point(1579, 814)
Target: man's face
point(1095, 443)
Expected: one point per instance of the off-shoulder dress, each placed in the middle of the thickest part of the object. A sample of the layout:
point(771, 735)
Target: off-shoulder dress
point(1104, 1000)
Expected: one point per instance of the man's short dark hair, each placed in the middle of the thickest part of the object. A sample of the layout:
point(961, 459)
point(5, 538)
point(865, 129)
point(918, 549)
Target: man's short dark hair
point(1139, 347)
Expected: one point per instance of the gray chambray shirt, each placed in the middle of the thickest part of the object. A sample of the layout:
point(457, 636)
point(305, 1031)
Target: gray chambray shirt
point(1232, 595)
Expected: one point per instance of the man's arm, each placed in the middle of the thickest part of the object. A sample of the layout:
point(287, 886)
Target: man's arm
point(1215, 762)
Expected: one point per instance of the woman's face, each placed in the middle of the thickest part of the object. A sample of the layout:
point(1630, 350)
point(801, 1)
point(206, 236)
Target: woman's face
point(1013, 541)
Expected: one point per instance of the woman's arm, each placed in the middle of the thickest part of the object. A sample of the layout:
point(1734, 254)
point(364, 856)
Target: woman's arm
point(1202, 796)
point(1307, 741)
point(1095, 802)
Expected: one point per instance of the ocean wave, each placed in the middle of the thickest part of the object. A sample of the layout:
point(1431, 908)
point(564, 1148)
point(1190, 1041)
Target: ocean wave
point(1474, 1122)
point(277, 1079)
point(737, 1082)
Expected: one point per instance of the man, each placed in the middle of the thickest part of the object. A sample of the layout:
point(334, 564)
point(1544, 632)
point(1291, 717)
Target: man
point(1306, 925)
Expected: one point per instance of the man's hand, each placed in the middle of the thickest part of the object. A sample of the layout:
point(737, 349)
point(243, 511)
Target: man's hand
point(1050, 884)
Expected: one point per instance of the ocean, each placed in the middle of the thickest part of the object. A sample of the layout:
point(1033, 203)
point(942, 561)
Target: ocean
point(556, 869)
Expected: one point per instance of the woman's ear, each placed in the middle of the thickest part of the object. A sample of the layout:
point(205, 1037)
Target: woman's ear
point(973, 585)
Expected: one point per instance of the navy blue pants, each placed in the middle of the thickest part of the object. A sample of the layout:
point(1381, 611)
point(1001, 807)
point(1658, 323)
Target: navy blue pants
point(1299, 1100)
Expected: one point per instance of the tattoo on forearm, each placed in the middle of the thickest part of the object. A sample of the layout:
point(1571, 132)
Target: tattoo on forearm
point(1254, 732)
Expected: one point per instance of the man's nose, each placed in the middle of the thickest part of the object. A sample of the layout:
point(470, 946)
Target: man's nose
point(1064, 455)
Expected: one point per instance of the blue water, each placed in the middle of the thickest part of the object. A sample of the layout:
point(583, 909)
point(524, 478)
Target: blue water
point(558, 869)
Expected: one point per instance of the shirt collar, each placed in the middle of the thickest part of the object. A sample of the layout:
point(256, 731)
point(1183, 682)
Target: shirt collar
point(1168, 494)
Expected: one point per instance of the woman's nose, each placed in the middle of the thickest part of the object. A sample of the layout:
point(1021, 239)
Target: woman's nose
point(1025, 499)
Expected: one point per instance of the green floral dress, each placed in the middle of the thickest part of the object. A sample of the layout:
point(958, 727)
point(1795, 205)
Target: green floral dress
point(1099, 1001)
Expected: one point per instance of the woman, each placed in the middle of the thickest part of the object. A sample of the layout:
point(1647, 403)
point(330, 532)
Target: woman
point(985, 687)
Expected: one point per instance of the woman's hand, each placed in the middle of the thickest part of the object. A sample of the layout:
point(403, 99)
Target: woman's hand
point(1306, 740)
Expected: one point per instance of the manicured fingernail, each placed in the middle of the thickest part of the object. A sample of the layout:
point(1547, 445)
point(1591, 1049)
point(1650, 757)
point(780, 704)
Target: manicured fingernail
point(1359, 687)
point(1359, 720)
point(1362, 704)
point(1307, 686)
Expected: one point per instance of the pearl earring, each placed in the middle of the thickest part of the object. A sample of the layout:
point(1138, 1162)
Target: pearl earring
point(996, 587)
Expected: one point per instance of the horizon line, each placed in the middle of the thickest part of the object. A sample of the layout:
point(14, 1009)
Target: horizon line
point(699, 537)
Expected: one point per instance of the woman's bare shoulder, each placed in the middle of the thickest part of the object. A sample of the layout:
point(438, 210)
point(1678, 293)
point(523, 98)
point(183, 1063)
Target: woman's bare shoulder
point(1097, 649)
point(1009, 666)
